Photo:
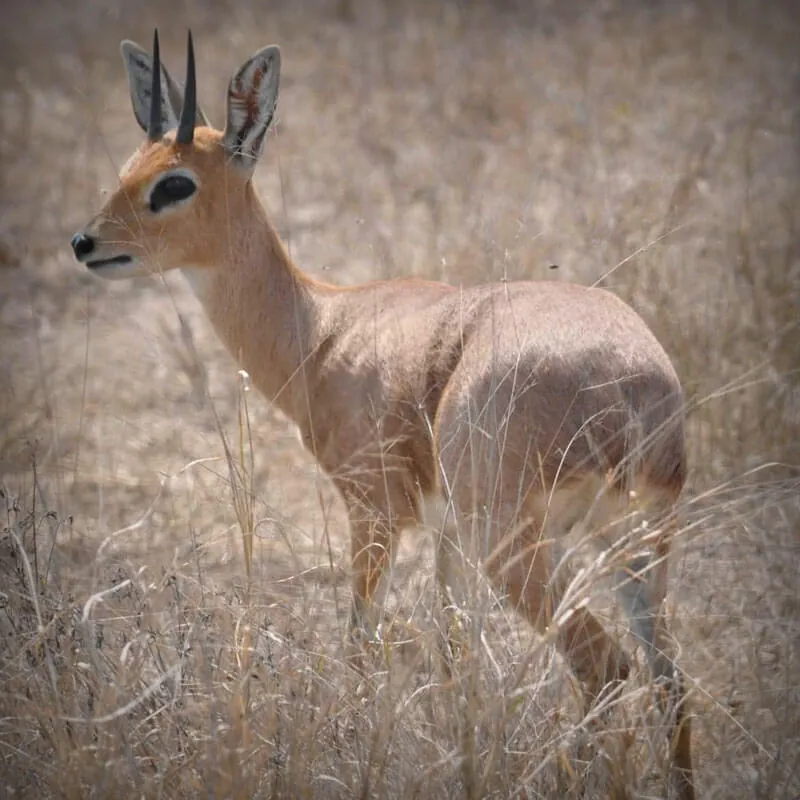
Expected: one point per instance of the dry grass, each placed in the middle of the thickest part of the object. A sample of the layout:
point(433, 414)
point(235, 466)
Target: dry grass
point(649, 147)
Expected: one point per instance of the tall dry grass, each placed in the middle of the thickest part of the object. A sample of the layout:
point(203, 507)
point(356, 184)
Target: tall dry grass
point(174, 595)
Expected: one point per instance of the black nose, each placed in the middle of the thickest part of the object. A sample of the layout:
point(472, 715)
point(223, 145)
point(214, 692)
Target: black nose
point(82, 245)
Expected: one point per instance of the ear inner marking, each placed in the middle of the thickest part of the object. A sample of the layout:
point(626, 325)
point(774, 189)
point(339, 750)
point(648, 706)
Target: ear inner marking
point(248, 99)
point(252, 97)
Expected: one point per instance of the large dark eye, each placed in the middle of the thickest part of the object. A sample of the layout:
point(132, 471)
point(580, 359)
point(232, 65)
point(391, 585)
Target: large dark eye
point(170, 190)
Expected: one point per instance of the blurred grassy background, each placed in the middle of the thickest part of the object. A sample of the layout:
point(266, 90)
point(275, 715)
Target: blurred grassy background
point(650, 147)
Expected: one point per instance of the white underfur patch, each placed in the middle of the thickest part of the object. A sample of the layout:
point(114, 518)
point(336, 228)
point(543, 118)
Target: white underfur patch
point(581, 513)
point(462, 545)
point(199, 279)
point(433, 509)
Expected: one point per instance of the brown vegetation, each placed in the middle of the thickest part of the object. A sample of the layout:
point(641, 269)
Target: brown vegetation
point(648, 147)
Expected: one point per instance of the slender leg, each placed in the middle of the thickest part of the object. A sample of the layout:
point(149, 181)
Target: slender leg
point(371, 544)
point(377, 514)
point(523, 568)
point(641, 590)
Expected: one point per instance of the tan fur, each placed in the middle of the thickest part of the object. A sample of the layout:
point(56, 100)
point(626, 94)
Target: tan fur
point(505, 398)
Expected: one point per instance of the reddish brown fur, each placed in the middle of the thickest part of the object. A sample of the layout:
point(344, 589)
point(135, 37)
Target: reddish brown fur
point(495, 395)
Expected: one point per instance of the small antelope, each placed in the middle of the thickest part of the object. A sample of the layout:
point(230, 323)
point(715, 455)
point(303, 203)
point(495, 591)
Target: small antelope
point(526, 406)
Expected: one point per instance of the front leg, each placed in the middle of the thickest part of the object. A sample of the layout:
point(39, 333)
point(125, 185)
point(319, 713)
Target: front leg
point(377, 515)
point(371, 548)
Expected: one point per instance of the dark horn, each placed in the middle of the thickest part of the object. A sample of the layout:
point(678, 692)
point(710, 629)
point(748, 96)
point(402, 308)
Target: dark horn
point(189, 111)
point(155, 131)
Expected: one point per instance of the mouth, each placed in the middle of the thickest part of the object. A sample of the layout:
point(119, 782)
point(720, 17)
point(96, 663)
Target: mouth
point(107, 262)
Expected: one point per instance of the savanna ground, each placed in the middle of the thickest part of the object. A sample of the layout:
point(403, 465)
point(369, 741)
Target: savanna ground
point(648, 147)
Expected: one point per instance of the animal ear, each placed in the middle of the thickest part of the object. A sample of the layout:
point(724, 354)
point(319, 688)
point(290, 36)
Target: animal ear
point(252, 96)
point(139, 66)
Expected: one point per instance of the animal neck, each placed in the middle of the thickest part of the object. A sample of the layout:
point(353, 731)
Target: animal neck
point(268, 313)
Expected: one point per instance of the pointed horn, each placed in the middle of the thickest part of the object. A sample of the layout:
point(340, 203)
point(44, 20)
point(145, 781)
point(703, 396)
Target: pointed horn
point(155, 131)
point(189, 112)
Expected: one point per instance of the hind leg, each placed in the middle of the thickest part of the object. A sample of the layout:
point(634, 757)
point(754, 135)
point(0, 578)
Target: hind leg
point(642, 590)
point(492, 470)
point(522, 564)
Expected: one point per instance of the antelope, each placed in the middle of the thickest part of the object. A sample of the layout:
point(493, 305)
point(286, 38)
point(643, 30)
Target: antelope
point(526, 406)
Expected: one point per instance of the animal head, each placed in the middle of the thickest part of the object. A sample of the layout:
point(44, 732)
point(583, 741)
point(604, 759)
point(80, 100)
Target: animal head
point(179, 192)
